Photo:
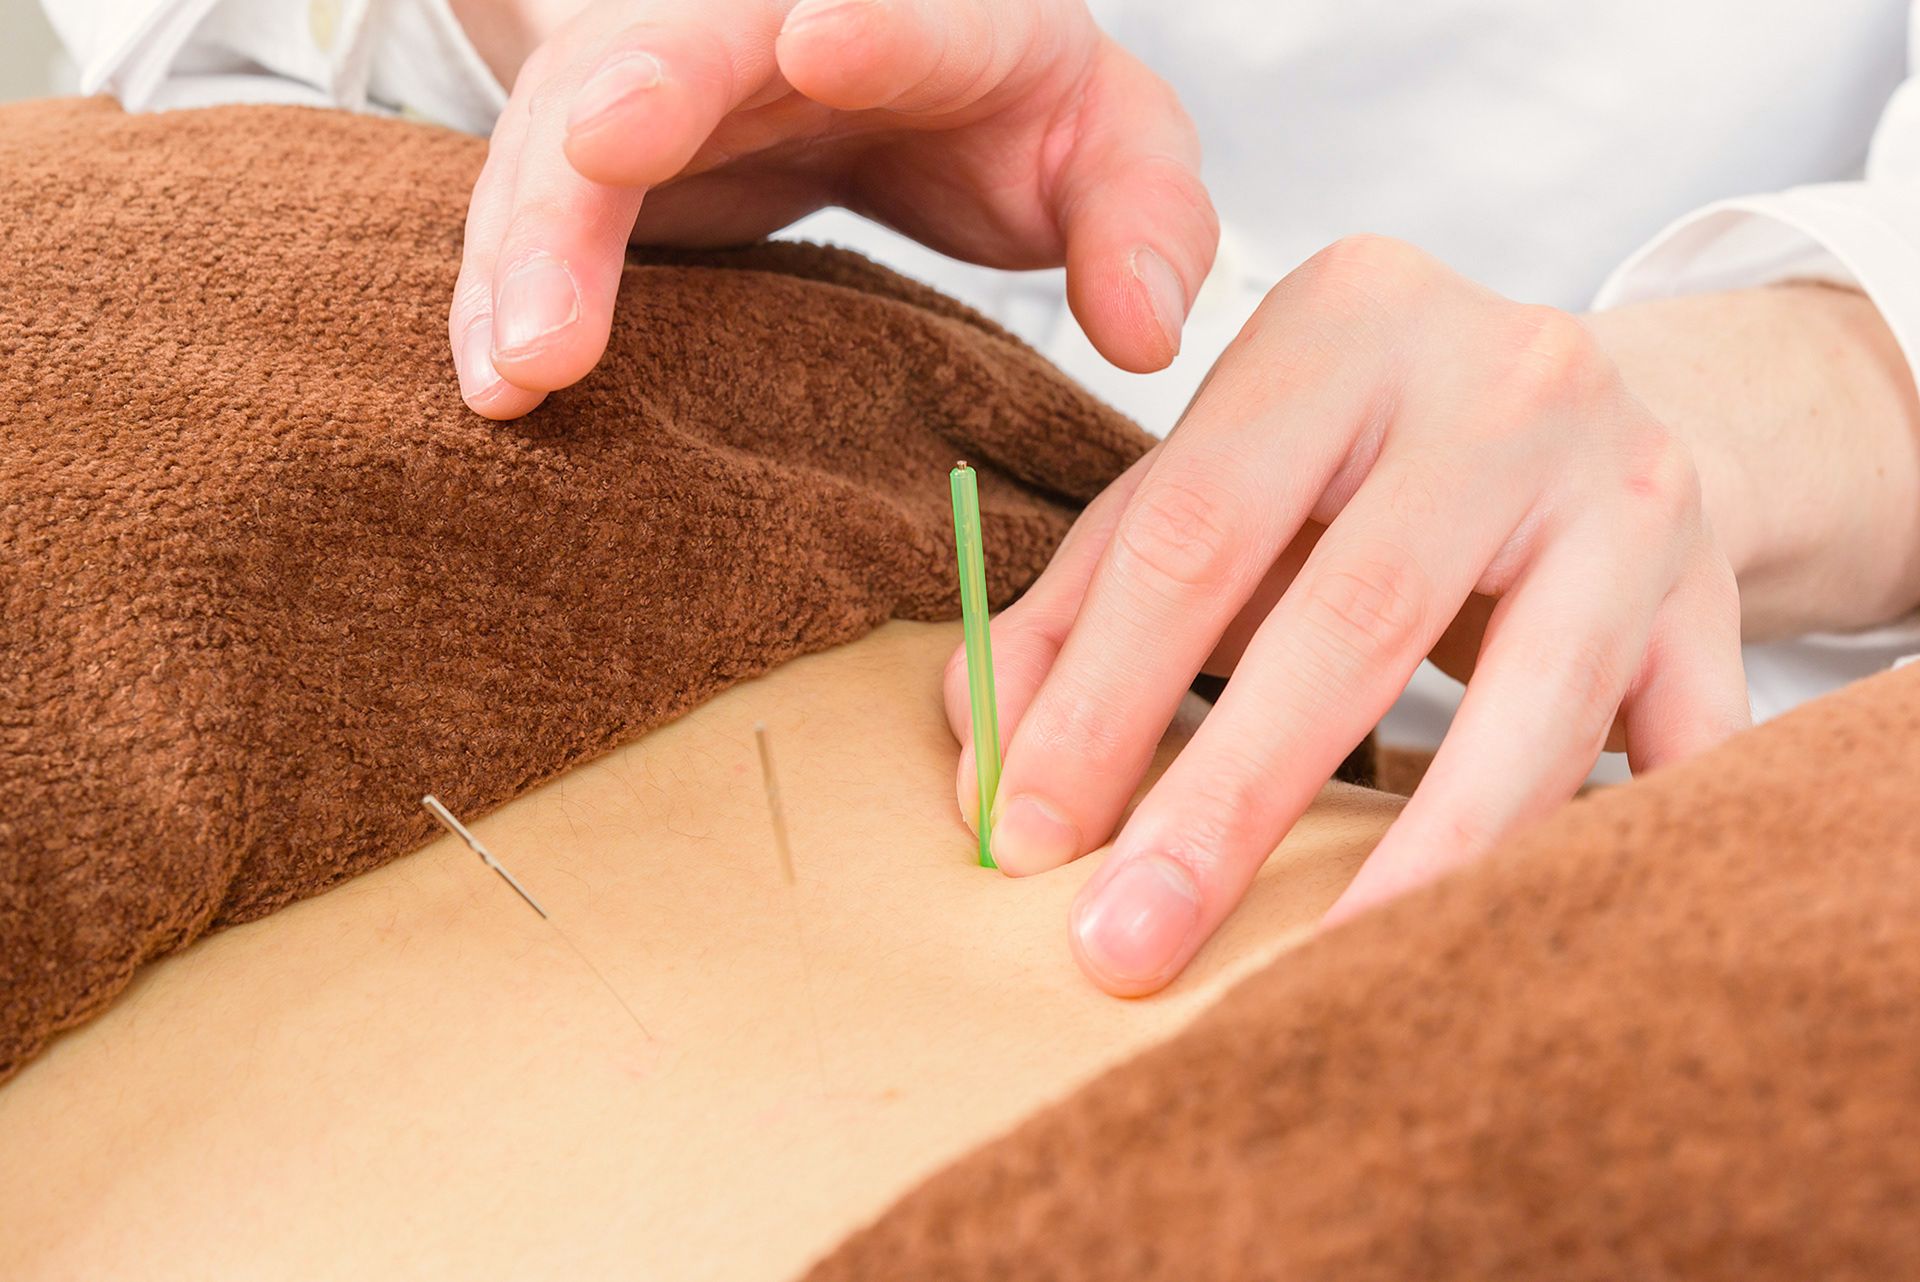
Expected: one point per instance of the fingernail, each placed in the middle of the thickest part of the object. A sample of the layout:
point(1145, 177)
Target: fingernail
point(1165, 294)
point(613, 84)
point(814, 10)
point(967, 788)
point(1137, 923)
point(475, 365)
point(1031, 836)
point(538, 300)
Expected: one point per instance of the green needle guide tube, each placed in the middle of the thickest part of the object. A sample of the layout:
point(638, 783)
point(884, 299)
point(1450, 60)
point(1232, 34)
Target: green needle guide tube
point(973, 615)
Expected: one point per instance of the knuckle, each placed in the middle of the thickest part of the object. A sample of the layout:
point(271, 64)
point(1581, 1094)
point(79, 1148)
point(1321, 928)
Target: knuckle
point(698, 56)
point(544, 221)
point(1150, 86)
point(1372, 266)
point(1463, 832)
point(1221, 811)
point(551, 95)
point(1208, 831)
point(1363, 280)
point(1369, 256)
point(530, 226)
point(1181, 530)
point(1171, 185)
point(1082, 726)
point(1587, 678)
point(1367, 608)
point(1662, 480)
point(472, 300)
point(1546, 358)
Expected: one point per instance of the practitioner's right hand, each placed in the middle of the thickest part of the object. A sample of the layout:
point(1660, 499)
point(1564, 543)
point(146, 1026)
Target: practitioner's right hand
point(1007, 132)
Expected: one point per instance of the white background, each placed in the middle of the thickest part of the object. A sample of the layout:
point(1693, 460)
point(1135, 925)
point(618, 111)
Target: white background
point(28, 53)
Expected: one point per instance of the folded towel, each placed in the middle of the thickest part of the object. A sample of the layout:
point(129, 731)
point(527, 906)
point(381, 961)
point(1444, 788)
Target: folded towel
point(1673, 1032)
point(264, 580)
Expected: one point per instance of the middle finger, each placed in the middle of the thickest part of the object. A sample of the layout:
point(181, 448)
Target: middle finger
point(1373, 597)
point(561, 252)
point(1230, 488)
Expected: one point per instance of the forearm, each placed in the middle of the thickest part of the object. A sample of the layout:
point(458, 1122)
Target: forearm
point(1804, 423)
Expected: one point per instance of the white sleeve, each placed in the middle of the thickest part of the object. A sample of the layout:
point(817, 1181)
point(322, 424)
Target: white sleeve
point(1865, 234)
point(408, 56)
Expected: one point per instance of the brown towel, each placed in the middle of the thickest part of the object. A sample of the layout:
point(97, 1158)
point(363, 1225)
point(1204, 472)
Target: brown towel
point(1674, 1032)
point(264, 580)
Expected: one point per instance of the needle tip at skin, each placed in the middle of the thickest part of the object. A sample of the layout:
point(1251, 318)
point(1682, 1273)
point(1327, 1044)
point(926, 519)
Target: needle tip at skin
point(459, 830)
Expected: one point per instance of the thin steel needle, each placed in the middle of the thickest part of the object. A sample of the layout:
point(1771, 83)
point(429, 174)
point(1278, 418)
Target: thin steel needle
point(774, 809)
point(778, 814)
point(459, 830)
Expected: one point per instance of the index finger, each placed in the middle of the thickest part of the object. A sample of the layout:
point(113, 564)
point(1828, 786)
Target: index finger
point(1229, 490)
point(554, 249)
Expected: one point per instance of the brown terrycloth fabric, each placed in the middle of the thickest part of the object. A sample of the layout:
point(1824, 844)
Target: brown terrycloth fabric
point(264, 580)
point(1672, 1033)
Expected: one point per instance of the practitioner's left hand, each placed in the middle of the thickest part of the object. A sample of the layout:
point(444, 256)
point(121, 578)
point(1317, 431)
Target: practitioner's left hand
point(1390, 461)
point(1013, 133)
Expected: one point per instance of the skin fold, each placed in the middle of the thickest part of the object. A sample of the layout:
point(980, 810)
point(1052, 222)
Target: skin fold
point(414, 1076)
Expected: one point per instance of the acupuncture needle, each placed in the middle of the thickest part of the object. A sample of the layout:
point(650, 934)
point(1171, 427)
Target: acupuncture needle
point(784, 846)
point(458, 829)
point(774, 808)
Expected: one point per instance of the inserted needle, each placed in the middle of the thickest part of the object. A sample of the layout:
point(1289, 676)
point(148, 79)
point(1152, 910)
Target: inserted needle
point(979, 646)
point(774, 808)
point(777, 813)
point(459, 830)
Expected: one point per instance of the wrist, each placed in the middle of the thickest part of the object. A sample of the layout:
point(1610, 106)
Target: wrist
point(1801, 415)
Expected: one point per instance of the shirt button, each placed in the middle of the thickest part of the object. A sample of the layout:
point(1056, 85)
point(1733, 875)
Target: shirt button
point(323, 19)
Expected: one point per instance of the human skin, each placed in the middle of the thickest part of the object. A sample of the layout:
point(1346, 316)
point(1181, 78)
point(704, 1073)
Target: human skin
point(1007, 132)
point(1579, 516)
point(413, 1076)
point(1392, 462)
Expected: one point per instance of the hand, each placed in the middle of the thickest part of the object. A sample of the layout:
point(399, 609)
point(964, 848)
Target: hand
point(1389, 461)
point(1006, 132)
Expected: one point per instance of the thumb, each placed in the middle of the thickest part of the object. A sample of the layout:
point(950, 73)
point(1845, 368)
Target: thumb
point(1140, 229)
point(927, 57)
